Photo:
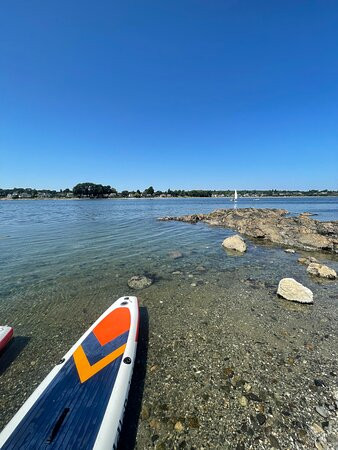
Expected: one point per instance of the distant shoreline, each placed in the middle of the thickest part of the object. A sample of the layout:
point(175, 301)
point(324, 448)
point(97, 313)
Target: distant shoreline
point(167, 198)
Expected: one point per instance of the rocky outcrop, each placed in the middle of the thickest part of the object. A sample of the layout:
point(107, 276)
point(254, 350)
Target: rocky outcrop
point(320, 270)
point(235, 243)
point(139, 282)
point(290, 289)
point(273, 225)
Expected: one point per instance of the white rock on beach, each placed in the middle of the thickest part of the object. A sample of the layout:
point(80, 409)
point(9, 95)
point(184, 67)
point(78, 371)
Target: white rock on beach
point(290, 289)
point(235, 243)
point(320, 270)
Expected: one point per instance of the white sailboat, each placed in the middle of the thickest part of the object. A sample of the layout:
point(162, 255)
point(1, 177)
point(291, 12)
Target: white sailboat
point(235, 197)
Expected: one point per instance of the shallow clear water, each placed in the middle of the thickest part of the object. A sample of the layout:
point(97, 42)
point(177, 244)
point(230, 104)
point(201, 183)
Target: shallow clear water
point(62, 263)
point(45, 240)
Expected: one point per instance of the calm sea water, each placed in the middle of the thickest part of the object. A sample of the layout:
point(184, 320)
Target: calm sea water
point(62, 263)
point(44, 241)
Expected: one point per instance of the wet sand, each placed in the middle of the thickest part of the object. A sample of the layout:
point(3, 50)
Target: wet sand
point(222, 364)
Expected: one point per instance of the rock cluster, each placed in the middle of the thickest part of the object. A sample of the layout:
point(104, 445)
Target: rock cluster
point(273, 225)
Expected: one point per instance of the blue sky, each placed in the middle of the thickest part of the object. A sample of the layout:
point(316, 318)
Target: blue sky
point(174, 94)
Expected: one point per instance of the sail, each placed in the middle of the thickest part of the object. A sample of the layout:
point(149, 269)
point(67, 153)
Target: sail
point(236, 196)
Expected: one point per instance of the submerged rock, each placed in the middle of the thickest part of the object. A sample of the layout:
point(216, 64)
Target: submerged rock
point(306, 261)
point(235, 243)
point(175, 254)
point(320, 270)
point(139, 282)
point(273, 225)
point(289, 250)
point(290, 289)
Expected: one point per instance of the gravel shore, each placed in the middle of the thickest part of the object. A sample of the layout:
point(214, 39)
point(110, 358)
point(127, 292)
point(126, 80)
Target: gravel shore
point(222, 363)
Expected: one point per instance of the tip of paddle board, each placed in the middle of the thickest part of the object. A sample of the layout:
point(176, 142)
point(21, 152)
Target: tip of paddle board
point(81, 403)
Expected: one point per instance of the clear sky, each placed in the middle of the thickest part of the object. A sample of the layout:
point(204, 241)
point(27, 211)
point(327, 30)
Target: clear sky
point(170, 93)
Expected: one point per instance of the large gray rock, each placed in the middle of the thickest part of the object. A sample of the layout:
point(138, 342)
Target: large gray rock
point(139, 282)
point(320, 270)
point(235, 243)
point(290, 289)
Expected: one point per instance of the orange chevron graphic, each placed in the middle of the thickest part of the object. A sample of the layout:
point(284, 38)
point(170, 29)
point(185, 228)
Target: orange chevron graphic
point(85, 370)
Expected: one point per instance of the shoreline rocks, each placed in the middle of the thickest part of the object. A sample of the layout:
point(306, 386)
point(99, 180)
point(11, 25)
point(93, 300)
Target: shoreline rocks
point(235, 242)
point(272, 225)
point(320, 270)
point(290, 289)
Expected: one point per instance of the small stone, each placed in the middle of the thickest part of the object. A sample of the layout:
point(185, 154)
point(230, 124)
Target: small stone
point(243, 401)
point(273, 441)
point(175, 254)
point(193, 284)
point(247, 387)
point(289, 250)
point(319, 383)
point(193, 422)
point(290, 289)
point(261, 419)
point(176, 272)
point(235, 242)
point(228, 372)
point(145, 413)
point(201, 269)
point(308, 260)
point(253, 397)
point(319, 445)
point(155, 424)
point(160, 446)
point(316, 429)
point(322, 411)
point(179, 427)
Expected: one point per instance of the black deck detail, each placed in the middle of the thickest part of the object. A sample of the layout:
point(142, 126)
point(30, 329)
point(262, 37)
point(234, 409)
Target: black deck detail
point(42, 427)
point(57, 426)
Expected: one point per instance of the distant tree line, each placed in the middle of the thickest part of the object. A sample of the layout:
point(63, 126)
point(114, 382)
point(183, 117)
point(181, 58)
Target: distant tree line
point(93, 191)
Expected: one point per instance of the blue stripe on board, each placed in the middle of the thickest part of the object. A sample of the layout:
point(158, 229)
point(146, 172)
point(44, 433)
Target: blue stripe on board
point(86, 402)
point(95, 351)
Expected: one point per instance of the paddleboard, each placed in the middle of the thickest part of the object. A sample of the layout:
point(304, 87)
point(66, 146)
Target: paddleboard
point(81, 403)
point(6, 334)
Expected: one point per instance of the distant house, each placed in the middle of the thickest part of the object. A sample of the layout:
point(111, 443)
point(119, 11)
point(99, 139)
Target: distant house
point(25, 195)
